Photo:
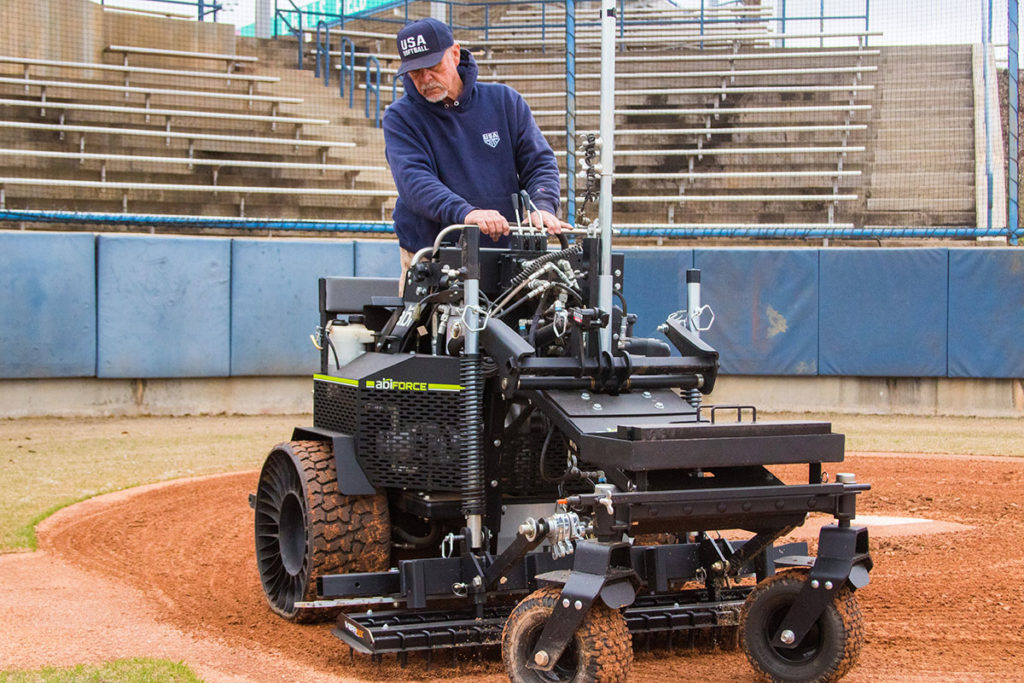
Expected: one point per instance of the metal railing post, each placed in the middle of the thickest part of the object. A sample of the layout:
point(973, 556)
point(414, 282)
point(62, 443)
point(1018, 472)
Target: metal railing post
point(986, 46)
point(350, 70)
point(867, 16)
point(821, 23)
point(543, 27)
point(1013, 122)
point(783, 23)
point(321, 25)
point(702, 23)
point(374, 87)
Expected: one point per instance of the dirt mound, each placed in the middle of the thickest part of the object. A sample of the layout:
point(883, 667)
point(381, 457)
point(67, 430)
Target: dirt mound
point(177, 561)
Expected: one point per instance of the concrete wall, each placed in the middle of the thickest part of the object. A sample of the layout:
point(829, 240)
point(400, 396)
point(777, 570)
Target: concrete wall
point(127, 324)
point(80, 31)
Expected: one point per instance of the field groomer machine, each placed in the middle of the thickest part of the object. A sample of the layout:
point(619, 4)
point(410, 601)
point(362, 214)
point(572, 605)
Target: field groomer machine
point(491, 472)
point(496, 459)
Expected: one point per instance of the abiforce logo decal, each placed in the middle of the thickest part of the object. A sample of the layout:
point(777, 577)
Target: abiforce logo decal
point(388, 384)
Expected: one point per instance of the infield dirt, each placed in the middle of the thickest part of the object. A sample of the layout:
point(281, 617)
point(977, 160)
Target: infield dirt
point(168, 571)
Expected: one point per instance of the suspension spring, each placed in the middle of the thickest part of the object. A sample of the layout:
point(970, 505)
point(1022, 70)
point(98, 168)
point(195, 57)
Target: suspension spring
point(471, 463)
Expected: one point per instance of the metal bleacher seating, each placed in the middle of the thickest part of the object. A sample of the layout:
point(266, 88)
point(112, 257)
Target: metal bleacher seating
point(145, 137)
point(717, 123)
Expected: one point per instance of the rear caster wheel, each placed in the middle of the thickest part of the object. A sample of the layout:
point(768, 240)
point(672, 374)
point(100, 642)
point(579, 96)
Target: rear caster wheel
point(305, 528)
point(827, 652)
point(601, 649)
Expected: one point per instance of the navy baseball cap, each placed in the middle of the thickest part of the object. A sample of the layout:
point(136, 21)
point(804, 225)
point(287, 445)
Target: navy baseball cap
point(422, 43)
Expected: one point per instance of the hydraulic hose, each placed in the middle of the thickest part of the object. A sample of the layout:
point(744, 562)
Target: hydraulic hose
point(539, 262)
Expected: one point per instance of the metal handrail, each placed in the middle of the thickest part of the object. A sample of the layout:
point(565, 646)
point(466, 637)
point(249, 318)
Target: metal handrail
point(323, 52)
point(373, 87)
point(203, 7)
point(350, 69)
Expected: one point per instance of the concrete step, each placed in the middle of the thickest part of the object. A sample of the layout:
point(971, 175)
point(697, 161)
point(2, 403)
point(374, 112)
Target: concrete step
point(922, 217)
point(956, 91)
point(921, 193)
point(926, 137)
point(943, 180)
point(934, 158)
point(913, 203)
point(962, 117)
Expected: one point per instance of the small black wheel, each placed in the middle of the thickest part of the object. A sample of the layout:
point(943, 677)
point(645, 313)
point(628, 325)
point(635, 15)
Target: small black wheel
point(601, 650)
point(305, 528)
point(826, 653)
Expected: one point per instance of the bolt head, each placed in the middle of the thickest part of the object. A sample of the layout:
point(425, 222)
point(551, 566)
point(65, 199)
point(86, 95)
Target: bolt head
point(541, 658)
point(578, 605)
point(597, 406)
point(814, 583)
point(828, 585)
point(565, 603)
point(787, 637)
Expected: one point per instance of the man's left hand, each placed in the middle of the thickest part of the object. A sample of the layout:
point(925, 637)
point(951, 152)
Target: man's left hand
point(549, 221)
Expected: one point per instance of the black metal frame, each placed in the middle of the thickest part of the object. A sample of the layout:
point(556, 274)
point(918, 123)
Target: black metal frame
point(672, 471)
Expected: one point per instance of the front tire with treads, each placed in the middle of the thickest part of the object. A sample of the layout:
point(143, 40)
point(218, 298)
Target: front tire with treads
point(305, 528)
point(826, 653)
point(601, 650)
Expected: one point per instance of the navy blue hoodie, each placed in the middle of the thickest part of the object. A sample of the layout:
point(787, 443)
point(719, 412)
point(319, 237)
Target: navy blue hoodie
point(448, 159)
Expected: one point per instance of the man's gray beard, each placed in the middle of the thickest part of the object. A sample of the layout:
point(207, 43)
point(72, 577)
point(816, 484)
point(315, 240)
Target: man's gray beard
point(437, 96)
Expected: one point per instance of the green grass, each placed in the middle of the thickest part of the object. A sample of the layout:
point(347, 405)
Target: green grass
point(925, 434)
point(136, 670)
point(50, 463)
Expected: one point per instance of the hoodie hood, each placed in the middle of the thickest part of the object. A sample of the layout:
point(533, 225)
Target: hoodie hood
point(467, 72)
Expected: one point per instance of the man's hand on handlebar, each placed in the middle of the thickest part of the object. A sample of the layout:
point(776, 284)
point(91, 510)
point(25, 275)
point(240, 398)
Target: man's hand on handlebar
point(491, 222)
point(494, 224)
point(549, 221)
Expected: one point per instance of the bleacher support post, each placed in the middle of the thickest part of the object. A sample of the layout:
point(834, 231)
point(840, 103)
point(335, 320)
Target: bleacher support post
point(1013, 120)
point(570, 111)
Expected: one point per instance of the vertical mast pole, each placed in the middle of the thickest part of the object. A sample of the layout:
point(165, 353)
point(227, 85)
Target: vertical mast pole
point(604, 213)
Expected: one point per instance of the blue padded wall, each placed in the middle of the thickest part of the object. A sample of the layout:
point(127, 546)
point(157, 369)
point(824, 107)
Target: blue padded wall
point(47, 305)
point(883, 312)
point(986, 313)
point(655, 286)
point(163, 306)
point(766, 309)
point(377, 258)
point(274, 302)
